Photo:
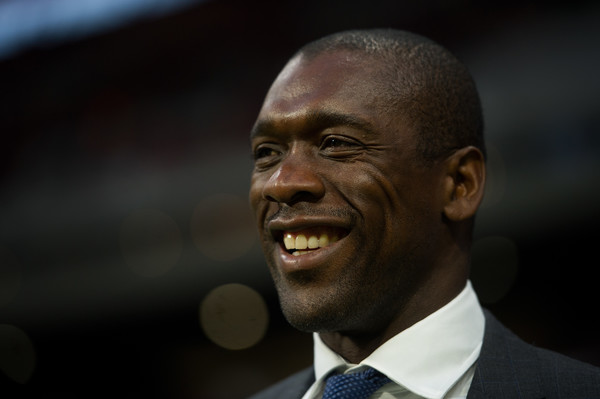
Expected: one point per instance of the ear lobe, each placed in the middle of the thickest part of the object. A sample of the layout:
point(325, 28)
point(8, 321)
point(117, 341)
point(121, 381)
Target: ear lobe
point(465, 182)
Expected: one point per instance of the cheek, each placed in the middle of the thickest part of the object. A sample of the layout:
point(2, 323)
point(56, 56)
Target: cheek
point(255, 193)
point(253, 197)
point(258, 205)
point(375, 196)
point(393, 211)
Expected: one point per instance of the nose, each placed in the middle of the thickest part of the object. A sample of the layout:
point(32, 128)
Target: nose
point(295, 180)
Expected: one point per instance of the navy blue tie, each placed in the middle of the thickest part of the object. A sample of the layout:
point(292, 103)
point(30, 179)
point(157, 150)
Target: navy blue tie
point(354, 386)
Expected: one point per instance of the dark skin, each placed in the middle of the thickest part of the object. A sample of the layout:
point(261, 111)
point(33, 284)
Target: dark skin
point(330, 157)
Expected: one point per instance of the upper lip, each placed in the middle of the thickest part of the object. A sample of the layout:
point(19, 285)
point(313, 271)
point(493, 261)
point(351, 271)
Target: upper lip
point(297, 223)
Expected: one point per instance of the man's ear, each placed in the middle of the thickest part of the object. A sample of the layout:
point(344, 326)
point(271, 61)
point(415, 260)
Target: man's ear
point(465, 182)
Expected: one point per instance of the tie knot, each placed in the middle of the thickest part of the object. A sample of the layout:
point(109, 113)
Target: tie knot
point(354, 386)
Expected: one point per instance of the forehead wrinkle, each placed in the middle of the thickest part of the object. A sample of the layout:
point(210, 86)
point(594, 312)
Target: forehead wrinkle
point(312, 121)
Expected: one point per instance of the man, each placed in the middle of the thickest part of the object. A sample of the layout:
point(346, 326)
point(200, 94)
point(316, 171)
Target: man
point(369, 169)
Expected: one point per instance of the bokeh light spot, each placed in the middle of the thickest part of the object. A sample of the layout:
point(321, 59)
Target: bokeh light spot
point(17, 355)
point(151, 242)
point(222, 227)
point(234, 316)
point(10, 276)
point(494, 267)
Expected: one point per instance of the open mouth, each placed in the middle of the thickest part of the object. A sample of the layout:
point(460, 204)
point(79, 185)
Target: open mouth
point(303, 242)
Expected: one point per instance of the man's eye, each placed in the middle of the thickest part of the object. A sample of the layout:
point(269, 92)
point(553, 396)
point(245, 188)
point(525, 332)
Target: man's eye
point(336, 143)
point(265, 152)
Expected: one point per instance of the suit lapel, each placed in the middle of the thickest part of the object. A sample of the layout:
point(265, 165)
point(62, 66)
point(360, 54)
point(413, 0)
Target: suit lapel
point(477, 390)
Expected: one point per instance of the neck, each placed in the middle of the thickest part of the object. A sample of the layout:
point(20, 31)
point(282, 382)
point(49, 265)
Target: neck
point(355, 347)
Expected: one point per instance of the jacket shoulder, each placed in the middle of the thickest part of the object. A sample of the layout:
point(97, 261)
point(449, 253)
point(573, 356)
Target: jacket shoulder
point(508, 364)
point(568, 377)
point(292, 387)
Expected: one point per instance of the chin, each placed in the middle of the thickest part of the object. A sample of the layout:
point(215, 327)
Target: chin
point(311, 323)
point(316, 314)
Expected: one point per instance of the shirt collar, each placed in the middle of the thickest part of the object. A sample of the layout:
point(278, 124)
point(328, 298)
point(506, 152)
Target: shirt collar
point(427, 358)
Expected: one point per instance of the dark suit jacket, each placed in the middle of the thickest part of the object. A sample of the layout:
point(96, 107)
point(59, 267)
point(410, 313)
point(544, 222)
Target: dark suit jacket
point(507, 368)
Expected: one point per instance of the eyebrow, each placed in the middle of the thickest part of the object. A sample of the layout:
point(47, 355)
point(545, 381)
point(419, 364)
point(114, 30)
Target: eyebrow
point(316, 120)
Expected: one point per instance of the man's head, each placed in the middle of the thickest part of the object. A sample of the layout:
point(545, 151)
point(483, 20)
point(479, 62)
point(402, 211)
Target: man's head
point(368, 172)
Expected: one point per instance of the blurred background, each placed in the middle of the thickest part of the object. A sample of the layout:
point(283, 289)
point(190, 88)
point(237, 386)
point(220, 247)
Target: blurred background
point(129, 263)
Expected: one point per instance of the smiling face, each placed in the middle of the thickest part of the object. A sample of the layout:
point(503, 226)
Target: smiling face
point(350, 222)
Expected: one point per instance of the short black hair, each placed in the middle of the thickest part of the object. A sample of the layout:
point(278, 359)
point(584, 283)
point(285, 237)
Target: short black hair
point(422, 80)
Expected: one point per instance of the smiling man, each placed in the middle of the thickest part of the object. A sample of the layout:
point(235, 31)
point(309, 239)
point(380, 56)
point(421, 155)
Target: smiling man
point(369, 169)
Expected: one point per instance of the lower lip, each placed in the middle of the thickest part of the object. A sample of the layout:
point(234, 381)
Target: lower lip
point(311, 260)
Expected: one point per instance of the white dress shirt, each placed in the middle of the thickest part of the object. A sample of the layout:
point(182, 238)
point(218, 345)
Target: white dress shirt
point(434, 358)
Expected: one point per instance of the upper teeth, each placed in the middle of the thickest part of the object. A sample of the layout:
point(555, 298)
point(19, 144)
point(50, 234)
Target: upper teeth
point(300, 241)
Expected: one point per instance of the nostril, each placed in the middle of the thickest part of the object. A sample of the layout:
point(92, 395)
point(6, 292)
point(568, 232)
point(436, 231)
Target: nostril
point(304, 196)
point(300, 196)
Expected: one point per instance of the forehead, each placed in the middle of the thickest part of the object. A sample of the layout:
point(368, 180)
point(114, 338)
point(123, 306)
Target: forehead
point(340, 83)
point(325, 72)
